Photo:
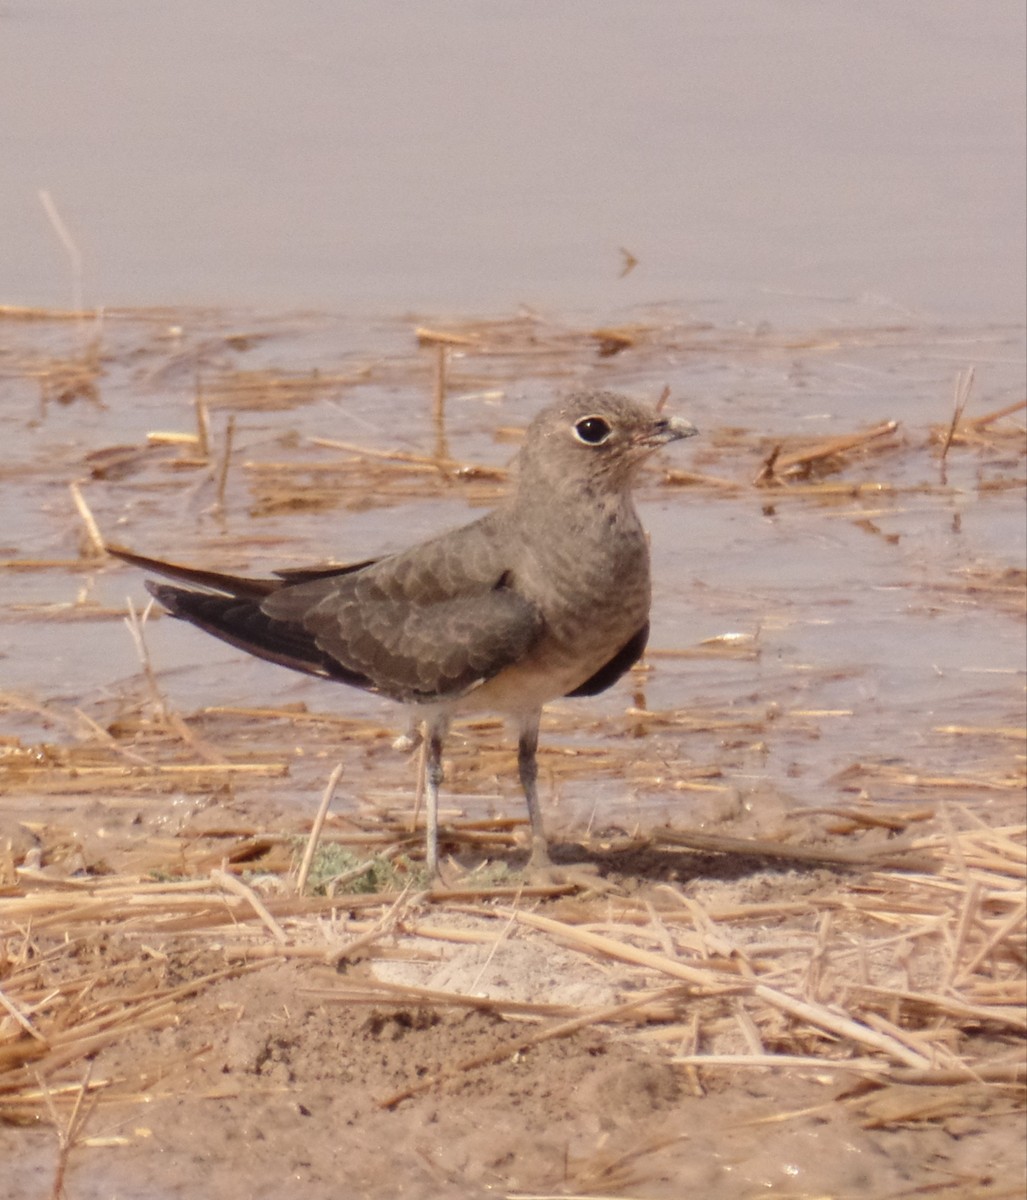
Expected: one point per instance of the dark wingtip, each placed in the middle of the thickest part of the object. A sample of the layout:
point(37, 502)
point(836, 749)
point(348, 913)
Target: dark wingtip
point(165, 595)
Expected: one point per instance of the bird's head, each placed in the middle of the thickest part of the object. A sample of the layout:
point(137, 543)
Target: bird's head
point(594, 440)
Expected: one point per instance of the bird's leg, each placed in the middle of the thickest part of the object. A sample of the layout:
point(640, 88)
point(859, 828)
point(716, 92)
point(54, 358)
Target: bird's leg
point(540, 865)
point(435, 731)
point(527, 766)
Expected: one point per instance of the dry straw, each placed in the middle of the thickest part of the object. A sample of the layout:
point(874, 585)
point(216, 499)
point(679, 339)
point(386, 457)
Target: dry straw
point(873, 1008)
point(899, 961)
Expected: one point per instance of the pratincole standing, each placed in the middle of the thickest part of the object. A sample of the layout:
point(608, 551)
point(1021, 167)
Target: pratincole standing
point(546, 596)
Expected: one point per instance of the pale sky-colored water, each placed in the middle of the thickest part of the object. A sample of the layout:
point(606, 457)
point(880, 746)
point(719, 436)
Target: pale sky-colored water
point(455, 157)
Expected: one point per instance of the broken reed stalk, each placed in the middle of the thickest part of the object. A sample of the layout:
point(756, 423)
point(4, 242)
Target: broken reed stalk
point(961, 394)
point(231, 884)
point(621, 951)
point(70, 247)
point(111, 742)
point(136, 624)
point(224, 463)
point(1006, 410)
point(791, 1062)
point(815, 1014)
point(504, 933)
point(202, 423)
point(1004, 930)
point(778, 463)
point(439, 386)
point(385, 924)
point(20, 1018)
point(67, 1135)
point(315, 830)
point(338, 882)
point(831, 1022)
point(93, 534)
point(439, 408)
point(432, 337)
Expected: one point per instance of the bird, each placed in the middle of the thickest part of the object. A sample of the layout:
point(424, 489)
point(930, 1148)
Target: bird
point(546, 596)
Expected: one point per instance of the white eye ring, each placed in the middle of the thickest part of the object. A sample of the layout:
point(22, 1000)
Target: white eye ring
point(593, 430)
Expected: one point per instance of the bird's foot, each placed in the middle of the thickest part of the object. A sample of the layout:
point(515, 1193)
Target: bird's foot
point(438, 879)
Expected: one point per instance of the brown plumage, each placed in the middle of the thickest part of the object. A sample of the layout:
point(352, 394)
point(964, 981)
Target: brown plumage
point(546, 596)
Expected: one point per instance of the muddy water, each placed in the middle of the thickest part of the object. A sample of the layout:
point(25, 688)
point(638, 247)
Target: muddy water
point(821, 207)
point(858, 634)
point(470, 158)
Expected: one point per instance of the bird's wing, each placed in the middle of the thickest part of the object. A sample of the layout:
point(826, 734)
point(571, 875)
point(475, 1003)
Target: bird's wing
point(611, 671)
point(421, 653)
point(427, 624)
point(239, 621)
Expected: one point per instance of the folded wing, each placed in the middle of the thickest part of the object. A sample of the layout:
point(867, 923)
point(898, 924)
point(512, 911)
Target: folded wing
point(415, 627)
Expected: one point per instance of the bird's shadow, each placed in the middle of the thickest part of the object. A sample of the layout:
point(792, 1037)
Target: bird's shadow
point(653, 862)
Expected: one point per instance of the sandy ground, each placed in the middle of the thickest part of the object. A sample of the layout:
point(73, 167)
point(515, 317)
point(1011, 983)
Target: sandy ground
point(273, 1091)
point(414, 1068)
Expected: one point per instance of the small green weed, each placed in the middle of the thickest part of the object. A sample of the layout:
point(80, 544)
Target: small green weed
point(338, 868)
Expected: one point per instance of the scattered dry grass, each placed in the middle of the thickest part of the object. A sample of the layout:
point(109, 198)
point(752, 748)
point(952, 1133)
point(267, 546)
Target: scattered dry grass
point(912, 976)
point(481, 359)
point(889, 949)
point(897, 960)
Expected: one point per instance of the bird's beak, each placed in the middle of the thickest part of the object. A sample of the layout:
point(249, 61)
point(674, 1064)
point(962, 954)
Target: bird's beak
point(671, 429)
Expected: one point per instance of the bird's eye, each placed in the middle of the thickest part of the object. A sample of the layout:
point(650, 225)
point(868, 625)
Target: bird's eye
point(593, 431)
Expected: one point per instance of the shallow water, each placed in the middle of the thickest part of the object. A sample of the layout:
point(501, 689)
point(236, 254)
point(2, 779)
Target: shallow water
point(814, 642)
